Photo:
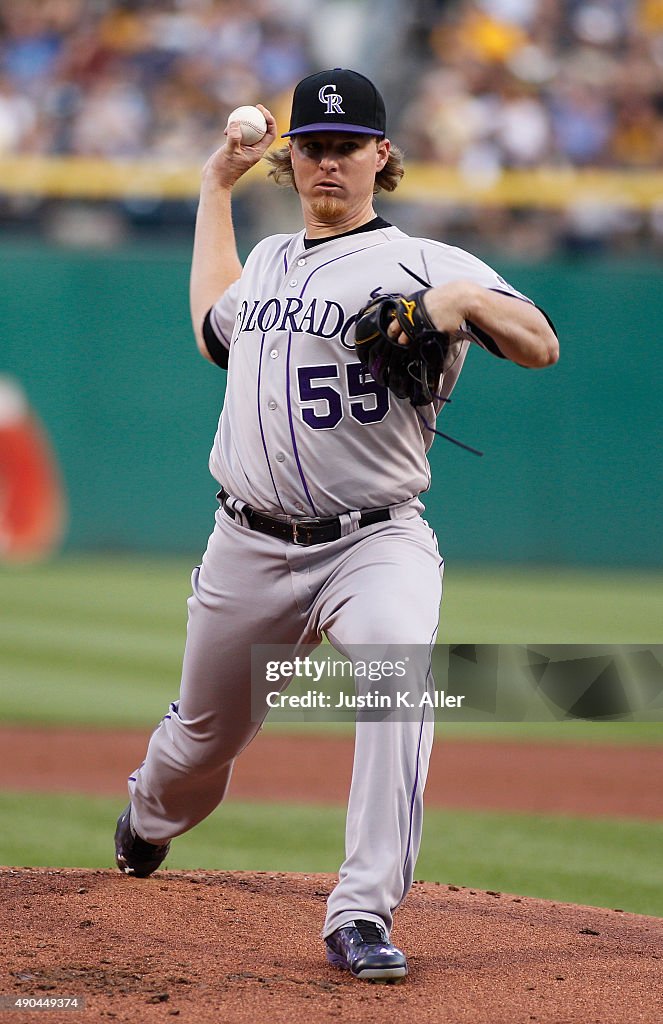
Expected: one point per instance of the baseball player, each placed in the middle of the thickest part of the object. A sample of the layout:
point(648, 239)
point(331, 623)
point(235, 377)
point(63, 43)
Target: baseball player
point(319, 529)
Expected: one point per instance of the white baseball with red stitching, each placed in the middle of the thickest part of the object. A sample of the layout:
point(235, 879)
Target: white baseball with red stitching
point(252, 122)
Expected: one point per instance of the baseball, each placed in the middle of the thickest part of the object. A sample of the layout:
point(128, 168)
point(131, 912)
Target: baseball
point(252, 122)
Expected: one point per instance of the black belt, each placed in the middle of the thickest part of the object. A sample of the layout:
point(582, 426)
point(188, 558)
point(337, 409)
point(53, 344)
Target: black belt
point(304, 531)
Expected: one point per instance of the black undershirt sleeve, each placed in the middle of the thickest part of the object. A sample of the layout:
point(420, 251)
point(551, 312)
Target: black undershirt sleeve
point(485, 339)
point(489, 343)
point(216, 349)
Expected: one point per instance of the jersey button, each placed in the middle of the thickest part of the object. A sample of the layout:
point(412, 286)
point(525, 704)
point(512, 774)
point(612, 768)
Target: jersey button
point(280, 457)
point(293, 282)
point(273, 354)
point(271, 404)
point(301, 263)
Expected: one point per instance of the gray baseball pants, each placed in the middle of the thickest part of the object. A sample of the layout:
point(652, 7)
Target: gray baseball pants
point(379, 585)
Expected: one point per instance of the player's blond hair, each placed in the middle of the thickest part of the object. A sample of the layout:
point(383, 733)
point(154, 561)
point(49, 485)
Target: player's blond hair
point(385, 180)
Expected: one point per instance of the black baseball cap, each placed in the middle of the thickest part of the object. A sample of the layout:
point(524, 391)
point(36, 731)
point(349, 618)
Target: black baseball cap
point(337, 101)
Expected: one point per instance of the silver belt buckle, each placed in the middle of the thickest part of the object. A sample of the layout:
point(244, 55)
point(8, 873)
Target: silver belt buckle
point(303, 523)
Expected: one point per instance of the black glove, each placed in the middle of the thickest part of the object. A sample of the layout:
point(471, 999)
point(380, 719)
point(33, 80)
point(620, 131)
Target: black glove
point(410, 371)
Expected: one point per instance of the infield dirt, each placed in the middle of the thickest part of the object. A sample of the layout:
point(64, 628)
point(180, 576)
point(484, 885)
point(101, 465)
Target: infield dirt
point(543, 778)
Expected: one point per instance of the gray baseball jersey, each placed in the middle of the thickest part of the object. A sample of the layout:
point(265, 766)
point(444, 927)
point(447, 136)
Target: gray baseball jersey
point(303, 432)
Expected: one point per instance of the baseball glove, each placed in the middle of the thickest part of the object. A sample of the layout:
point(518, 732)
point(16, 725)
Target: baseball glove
point(411, 371)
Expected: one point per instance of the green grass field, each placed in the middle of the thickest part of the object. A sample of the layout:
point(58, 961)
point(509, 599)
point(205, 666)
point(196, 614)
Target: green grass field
point(598, 862)
point(98, 641)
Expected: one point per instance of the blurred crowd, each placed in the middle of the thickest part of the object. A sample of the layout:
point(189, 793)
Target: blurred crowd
point(558, 83)
point(524, 83)
point(500, 83)
point(133, 78)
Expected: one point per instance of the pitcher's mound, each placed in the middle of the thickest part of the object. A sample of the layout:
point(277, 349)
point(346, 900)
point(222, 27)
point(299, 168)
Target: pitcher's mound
point(225, 947)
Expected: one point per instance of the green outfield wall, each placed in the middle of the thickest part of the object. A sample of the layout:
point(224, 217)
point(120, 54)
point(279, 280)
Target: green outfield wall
point(573, 467)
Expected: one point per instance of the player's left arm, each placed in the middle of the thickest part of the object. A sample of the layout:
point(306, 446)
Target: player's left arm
point(517, 328)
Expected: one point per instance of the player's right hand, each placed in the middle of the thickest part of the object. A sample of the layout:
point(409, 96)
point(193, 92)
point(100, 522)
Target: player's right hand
point(233, 159)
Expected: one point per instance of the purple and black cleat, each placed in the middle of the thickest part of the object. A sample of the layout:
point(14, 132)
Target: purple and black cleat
point(133, 855)
point(364, 949)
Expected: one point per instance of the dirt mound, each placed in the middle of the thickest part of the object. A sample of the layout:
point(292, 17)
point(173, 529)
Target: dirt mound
point(223, 947)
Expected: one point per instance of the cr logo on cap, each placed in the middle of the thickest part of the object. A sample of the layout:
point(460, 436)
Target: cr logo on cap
point(332, 99)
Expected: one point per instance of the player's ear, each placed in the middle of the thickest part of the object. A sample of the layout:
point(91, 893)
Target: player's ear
point(382, 154)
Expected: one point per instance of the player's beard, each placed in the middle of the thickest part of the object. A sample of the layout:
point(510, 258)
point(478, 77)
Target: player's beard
point(328, 209)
